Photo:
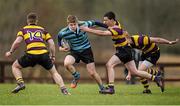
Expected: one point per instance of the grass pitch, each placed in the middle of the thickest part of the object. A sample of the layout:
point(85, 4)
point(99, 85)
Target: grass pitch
point(87, 94)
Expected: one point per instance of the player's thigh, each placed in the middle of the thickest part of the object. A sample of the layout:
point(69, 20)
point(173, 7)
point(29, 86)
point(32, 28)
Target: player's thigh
point(53, 70)
point(69, 60)
point(131, 66)
point(16, 64)
point(113, 61)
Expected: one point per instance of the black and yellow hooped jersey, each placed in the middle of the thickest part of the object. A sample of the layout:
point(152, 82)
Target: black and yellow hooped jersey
point(143, 43)
point(35, 38)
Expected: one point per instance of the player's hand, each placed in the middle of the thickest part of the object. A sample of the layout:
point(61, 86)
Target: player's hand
point(128, 77)
point(8, 54)
point(52, 59)
point(64, 49)
point(174, 42)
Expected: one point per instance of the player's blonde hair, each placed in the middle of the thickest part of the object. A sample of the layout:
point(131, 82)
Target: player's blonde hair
point(72, 19)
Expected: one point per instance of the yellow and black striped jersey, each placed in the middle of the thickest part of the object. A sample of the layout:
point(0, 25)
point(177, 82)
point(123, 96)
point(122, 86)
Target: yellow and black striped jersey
point(35, 37)
point(143, 43)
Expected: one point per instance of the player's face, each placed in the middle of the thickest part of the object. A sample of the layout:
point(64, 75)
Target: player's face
point(73, 26)
point(107, 21)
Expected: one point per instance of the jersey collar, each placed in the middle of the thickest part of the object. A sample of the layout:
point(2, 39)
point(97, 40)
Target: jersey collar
point(77, 30)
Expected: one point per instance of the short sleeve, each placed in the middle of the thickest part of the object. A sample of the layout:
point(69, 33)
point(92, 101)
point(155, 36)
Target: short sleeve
point(47, 36)
point(20, 33)
point(89, 23)
point(59, 38)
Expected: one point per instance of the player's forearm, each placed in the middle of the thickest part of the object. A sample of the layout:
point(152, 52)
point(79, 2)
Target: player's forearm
point(52, 49)
point(162, 41)
point(159, 40)
point(96, 32)
point(14, 46)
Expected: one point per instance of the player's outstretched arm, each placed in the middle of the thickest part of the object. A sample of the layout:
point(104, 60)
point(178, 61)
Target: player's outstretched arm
point(95, 31)
point(14, 46)
point(100, 24)
point(162, 40)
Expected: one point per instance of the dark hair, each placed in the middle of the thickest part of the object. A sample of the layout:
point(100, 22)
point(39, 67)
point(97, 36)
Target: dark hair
point(110, 15)
point(32, 17)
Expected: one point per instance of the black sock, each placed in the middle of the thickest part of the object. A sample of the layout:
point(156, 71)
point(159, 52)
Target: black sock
point(145, 83)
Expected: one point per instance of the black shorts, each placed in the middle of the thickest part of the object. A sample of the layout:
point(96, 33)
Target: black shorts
point(151, 57)
point(31, 60)
point(124, 54)
point(86, 56)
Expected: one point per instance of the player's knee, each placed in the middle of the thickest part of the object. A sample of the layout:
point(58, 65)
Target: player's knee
point(91, 72)
point(16, 65)
point(108, 65)
point(67, 65)
point(134, 72)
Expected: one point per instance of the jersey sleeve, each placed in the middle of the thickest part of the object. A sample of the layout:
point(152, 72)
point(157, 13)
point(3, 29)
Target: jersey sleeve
point(59, 38)
point(100, 24)
point(20, 33)
point(47, 35)
point(89, 23)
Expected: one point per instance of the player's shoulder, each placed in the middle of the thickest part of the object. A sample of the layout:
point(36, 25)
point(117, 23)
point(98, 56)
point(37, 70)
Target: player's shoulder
point(33, 27)
point(116, 29)
point(63, 31)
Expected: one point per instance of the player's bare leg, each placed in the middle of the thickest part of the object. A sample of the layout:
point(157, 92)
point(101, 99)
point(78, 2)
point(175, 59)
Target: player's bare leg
point(114, 60)
point(93, 73)
point(59, 81)
point(145, 66)
point(132, 68)
point(68, 63)
point(16, 70)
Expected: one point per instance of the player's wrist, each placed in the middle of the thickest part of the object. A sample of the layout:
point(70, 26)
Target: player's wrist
point(53, 56)
point(10, 51)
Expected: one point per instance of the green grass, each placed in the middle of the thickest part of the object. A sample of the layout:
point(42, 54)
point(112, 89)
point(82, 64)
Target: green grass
point(87, 94)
